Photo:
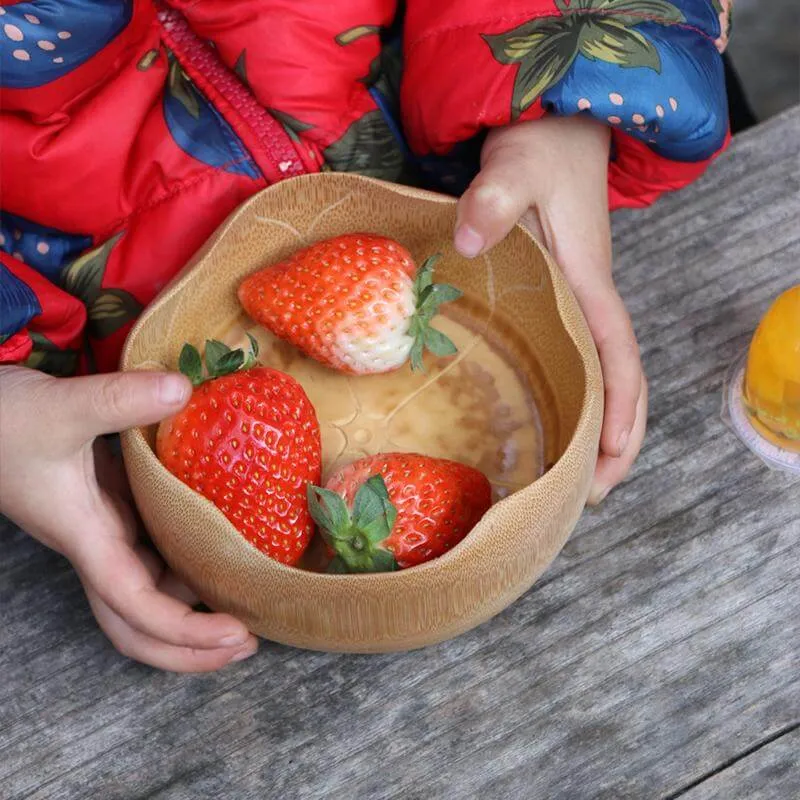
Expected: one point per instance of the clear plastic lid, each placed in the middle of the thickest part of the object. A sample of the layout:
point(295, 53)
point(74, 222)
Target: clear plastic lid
point(736, 417)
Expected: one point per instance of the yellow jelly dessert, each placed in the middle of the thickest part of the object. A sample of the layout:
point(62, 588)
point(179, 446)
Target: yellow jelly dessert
point(772, 374)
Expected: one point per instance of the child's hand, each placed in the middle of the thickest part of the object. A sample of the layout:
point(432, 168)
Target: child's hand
point(62, 485)
point(551, 174)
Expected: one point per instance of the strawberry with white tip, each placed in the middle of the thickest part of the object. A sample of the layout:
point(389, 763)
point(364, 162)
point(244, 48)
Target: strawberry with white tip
point(356, 303)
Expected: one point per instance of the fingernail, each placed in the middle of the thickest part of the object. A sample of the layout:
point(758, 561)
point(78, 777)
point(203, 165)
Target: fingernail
point(172, 390)
point(622, 442)
point(233, 640)
point(244, 653)
point(468, 241)
point(595, 498)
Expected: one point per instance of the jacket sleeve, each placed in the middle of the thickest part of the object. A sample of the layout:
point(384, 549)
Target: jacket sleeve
point(40, 325)
point(116, 166)
point(312, 65)
point(649, 69)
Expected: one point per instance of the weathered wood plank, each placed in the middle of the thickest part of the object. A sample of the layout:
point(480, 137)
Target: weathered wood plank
point(771, 771)
point(661, 645)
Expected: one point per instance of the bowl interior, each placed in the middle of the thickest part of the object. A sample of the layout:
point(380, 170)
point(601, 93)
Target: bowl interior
point(507, 404)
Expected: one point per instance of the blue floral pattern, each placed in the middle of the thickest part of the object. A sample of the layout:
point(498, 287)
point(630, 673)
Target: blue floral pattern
point(18, 304)
point(44, 249)
point(43, 40)
point(200, 130)
point(648, 67)
point(680, 113)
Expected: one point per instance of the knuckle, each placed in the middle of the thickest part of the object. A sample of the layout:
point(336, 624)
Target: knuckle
point(619, 341)
point(497, 200)
point(630, 346)
point(112, 401)
point(124, 647)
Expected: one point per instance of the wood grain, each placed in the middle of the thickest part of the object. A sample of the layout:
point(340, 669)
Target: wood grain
point(770, 770)
point(654, 659)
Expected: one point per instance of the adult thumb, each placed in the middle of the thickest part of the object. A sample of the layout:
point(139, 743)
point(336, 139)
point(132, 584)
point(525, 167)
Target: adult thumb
point(97, 404)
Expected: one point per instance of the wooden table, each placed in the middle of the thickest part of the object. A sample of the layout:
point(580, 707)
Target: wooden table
point(659, 657)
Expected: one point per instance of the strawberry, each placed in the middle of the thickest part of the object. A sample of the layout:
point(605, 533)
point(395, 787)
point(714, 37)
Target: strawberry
point(397, 510)
point(356, 303)
point(249, 442)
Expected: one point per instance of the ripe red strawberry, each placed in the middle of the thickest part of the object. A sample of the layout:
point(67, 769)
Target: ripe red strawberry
point(356, 303)
point(397, 510)
point(249, 442)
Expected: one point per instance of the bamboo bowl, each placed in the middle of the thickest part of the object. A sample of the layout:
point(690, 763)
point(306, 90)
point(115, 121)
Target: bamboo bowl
point(514, 296)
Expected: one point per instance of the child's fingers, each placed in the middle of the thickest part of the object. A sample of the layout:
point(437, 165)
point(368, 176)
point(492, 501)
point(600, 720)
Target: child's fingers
point(610, 471)
point(172, 585)
point(619, 358)
point(134, 644)
point(584, 255)
point(125, 579)
point(487, 211)
point(498, 197)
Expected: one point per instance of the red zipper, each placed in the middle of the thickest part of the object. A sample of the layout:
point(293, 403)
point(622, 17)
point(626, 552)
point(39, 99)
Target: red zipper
point(276, 155)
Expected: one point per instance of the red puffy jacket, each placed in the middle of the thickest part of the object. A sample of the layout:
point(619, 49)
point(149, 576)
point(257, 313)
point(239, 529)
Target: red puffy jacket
point(131, 129)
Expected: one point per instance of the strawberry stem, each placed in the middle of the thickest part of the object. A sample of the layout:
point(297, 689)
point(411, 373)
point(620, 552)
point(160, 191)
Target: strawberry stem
point(356, 539)
point(220, 360)
point(429, 297)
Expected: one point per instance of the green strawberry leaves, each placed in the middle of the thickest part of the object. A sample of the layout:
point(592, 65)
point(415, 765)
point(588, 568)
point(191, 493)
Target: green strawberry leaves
point(337, 567)
point(254, 348)
point(373, 511)
point(108, 310)
point(224, 363)
point(545, 48)
point(354, 34)
point(329, 511)
point(220, 360)
point(191, 365)
point(240, 68)
point(384, 561)
point(368, 147)
point(438, 343)
point(293, 127)
point(49, 358)
point(181, 88)
point(357, 539)
point(424, 278)
point(430, 296)
point(83, 276)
